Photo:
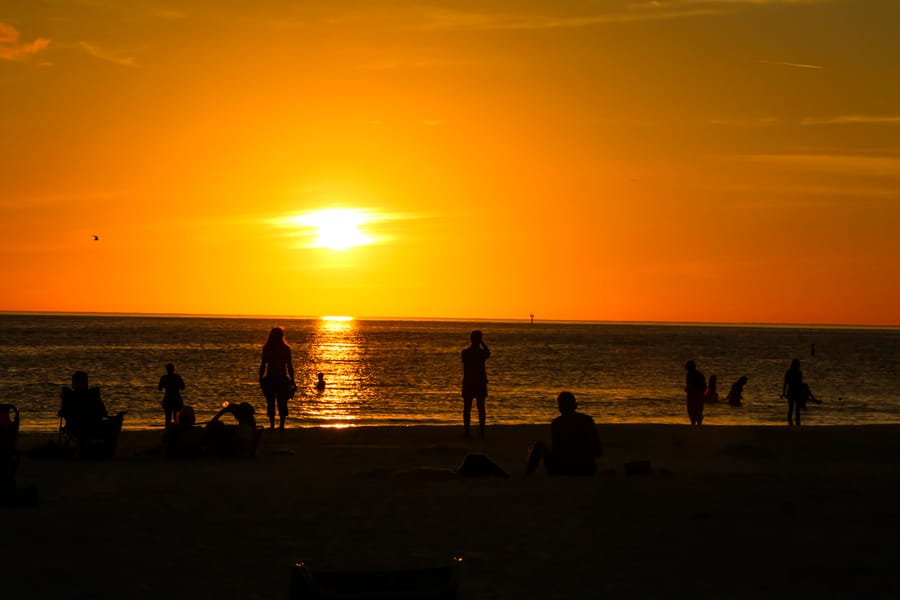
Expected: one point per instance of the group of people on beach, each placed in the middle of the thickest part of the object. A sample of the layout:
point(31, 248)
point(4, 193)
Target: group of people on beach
point(699, 393)
point(574, 437)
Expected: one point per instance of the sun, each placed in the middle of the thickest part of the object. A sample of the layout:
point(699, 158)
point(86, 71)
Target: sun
point(337, 228)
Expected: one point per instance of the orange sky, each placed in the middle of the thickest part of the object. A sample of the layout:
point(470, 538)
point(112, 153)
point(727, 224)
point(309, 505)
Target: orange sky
point(681, 160)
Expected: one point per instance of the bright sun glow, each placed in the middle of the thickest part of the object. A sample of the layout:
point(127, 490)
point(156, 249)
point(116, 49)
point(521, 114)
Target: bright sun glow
point(337, 228)
point(337, 318)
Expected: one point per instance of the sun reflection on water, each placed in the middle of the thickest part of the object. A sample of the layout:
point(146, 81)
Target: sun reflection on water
point(336, 352)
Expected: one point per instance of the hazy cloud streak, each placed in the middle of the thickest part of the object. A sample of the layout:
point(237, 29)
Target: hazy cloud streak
point(853, 120)
point(789, 64)
point(108, 55)
point(11, 49)
point(846, 164)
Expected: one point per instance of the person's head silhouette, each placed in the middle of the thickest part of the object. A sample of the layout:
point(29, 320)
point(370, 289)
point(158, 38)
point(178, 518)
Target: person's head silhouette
point(79, 380)
point(476, 337)
point(566, 402)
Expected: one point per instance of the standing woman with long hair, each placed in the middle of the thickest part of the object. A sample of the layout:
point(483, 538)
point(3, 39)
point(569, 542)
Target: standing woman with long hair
point(794, 392)
point(276, 376)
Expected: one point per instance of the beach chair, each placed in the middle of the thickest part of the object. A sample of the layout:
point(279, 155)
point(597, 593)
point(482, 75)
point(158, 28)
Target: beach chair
point(98, 441)
point(9, 456)
point(438, 582)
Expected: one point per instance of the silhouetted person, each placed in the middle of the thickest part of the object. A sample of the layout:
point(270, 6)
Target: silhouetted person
point(82, 407)
point(794, 392)
point(320, 384)
point(474, 385)
point(87, 422)
point(237, 440)
point(808, 396)
point(695, 386)
point(574, 442)
point(276, 376)
point(184, 439)
point(172, 402)
point(712, 394)
point(736, 393)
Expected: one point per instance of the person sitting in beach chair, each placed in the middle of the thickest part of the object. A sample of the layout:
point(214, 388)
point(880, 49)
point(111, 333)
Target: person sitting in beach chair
point(574, 444)
point(87, 421)
point(233, 440)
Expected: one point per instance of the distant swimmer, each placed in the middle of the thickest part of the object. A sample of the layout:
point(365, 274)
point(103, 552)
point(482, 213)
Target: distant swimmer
point(320, 384)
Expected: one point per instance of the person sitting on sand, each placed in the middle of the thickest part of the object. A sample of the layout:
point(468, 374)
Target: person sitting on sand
point(712, 395)
point(227, 440)
point(736, 393)
point(184, 439)
point(574, 442)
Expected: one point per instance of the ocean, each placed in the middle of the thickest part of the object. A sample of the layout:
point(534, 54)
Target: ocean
point(396, 372)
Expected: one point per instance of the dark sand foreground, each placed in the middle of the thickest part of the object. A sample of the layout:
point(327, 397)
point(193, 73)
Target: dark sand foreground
point(729, 512)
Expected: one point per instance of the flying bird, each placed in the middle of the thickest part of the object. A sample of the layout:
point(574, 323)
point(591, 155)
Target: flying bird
point(96, 238)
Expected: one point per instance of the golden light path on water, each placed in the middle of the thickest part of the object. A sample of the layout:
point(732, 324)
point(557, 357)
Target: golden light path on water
point(336, 343)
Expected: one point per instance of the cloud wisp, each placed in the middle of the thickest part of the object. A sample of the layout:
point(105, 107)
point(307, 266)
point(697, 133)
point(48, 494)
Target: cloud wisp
point(108, 55)
point(781, 63)
point(12, 49)
point(844, 164)
point(853, 120)
point(439, 19)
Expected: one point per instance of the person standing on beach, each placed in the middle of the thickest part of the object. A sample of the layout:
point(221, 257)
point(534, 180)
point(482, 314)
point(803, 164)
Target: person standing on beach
point(172, 402)
point(794, 391)
point(474, 384)
point(695, 386)
point(276, 376)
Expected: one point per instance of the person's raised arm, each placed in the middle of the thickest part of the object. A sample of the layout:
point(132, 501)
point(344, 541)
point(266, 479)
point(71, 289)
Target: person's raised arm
point(487, 352)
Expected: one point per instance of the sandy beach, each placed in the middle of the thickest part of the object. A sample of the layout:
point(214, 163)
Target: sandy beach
point(727, 512)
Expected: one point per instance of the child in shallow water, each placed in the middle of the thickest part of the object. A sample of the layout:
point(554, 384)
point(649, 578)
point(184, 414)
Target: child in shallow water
point(712, 395)
point(736, 394)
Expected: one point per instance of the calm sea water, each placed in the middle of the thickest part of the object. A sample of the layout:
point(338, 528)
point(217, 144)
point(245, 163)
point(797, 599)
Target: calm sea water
point(409, 372)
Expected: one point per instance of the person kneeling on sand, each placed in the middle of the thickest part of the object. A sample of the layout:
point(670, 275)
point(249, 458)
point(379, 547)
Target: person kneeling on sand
point(574, 443)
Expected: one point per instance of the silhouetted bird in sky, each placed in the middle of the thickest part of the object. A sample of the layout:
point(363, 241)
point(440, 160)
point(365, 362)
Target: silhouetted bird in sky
point(96, 238)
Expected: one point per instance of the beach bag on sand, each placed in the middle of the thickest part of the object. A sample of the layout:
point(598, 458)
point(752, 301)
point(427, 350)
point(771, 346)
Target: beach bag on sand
point(479, 465)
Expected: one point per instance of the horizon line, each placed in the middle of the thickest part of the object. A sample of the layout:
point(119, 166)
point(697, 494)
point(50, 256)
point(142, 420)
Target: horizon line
point(453, 319)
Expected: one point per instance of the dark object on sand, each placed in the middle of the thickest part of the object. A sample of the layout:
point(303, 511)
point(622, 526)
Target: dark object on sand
point(432, 582)
point(9, 456)
point(637, 467)
point(10, 495)
point(479, 465)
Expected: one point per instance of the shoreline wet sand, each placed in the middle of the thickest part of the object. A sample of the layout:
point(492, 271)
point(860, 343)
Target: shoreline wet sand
point(726, 512)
